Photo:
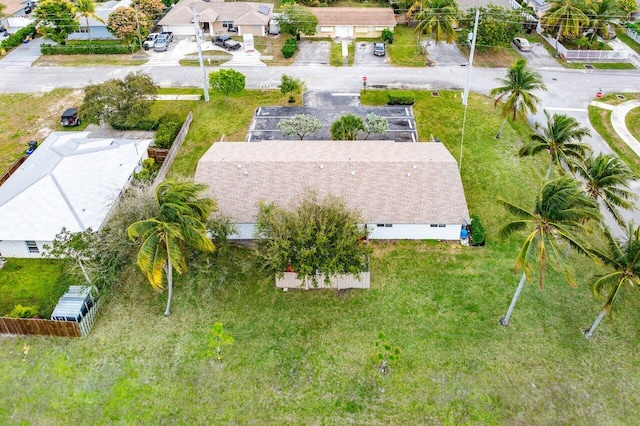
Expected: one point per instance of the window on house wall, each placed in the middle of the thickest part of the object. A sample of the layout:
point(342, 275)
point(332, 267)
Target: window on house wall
point(227, 24)
point(434, 225)
point(442, 225)
point(84, 30)
point(32, 247)
point(362, 29)
point(326, 29)
point(379, 28)
point(384, 225)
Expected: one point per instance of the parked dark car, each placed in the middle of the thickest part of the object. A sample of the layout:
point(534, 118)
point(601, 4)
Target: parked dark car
point(379, 49)
point(70, 118)
point(226, 42)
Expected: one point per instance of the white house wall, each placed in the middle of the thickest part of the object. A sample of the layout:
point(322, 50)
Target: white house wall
point(19, 249)
point(245, 231)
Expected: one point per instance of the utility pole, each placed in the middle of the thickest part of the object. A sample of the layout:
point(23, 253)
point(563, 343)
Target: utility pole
point(465, 95)
point(205, 83)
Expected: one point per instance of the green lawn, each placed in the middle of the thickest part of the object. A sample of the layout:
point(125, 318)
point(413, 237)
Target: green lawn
point(405, 50)
point(31, 282)
point(309, 357)
point(91, 60)
point(335, 54)
point(622, 35)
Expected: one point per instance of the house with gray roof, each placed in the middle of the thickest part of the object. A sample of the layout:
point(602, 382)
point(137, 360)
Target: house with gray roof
point(71, 181)
point(403, 190)
point(94, 27)
point(217, 17)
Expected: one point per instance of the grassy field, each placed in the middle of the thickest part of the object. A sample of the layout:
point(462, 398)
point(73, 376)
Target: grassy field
point(628, 41)
point(405, 50)
point(31, 283)
point(90, 60)
point(601, 122)
point(309, 357)
point(335, 54)
point(633, 122)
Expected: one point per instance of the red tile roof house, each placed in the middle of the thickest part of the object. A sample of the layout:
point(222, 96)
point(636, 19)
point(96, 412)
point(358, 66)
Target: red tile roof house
point(218, 17)
point(403, 190)
point(353, 22)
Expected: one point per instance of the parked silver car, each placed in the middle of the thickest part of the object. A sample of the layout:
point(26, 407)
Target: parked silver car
point(162, 41)
point(522, 44)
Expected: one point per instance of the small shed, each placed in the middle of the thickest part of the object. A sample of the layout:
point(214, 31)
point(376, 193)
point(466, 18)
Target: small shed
point(75, 303)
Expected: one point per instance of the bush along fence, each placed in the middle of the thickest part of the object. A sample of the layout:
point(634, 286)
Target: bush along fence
point(83, 48)
point(339, 282)
point(173, 152)
point(45, 327)
point(17, 38)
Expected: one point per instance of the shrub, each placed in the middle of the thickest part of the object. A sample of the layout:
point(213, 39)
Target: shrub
point(97, 48)
point(168, 128)
point(289, 48)
point(478, 233)
point(400, 98)
point(387, 35)
point(149, 170)
point(18, 37)
point(20, 311)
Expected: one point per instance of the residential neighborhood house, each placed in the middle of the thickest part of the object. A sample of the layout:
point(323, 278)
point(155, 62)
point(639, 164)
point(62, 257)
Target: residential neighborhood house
point(98, 29)
point(353, 22)
point(69, 181)
point(217, 17)
point(402, 190)
point(17, 14)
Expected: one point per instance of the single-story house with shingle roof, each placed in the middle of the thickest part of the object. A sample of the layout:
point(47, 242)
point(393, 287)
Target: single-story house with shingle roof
point(217, 17)
point(353, 22)
point(403, 190)
point(69, 181)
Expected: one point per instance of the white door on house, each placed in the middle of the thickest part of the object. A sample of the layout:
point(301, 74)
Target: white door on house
point(344, 31)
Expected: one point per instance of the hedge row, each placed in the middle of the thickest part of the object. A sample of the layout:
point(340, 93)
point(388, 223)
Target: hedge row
point(88, 49)
point(400, 98)
point(18, 37)
point(289, 48)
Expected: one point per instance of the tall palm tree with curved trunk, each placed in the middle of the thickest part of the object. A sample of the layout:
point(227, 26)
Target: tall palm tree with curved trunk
point(561, 138)
point(439, 19)
point(86, 9)
point(559, 216)
point(602, 14)
point(515, 91)
point(622, 257)
point(164, 238)
point(568, 16)
point(607, 179)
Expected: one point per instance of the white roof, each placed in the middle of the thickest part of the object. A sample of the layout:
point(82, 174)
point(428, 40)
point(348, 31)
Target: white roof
point(69, 181)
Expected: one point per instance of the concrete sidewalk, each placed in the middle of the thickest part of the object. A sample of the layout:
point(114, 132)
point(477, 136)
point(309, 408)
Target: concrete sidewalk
point(620, 126)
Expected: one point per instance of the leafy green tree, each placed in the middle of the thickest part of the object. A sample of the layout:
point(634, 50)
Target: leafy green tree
point(515, 91)
point(347, 127)
point(86, 9)
point(290, 85)
point(300, 125)
point(567, 17)
point(295, 20)
point(227, 82)
point(319, 236)
point(73, 248)
point(497, 27)
point(120, 103)
point(217, 339)
point(164, 238)
point(561, 138)
point(127, 24)
point(55, 19)
point(602, 15)
point(622, 259)
point(375, 124)
point(559, 215)
point(438, 19)
point(628, 6)
point(607, 179)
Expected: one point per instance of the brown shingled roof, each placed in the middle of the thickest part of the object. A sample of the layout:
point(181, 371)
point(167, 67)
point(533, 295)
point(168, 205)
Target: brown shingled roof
point(388, 182)
point(375, 16)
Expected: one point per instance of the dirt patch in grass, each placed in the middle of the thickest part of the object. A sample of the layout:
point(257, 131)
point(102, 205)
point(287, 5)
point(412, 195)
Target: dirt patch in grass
point(270, 49)
point(500, 57)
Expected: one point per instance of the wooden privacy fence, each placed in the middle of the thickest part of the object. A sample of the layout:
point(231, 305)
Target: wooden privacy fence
point(173, 152)
point(339, 282)
point(5, 177)
point(45, 327)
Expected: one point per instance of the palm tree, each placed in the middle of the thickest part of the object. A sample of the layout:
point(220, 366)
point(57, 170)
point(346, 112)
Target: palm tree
point(568, 16)
point(165, 237)
point(438, 18)
point(602, 14)
point(607, 178)
point(515, 91)
point(561, 138)
point(86, 9)
point(560, 214)
point(623, 257)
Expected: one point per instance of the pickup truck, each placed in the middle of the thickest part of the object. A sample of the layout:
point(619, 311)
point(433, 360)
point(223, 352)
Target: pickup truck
point(226, 42)
point(148, 42)
point(162, 41)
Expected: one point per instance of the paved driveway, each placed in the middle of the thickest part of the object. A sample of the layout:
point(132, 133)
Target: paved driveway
point(312, 53)
point(365, 57)
point(444, 53)
point(539, 57)
point(25, 54)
